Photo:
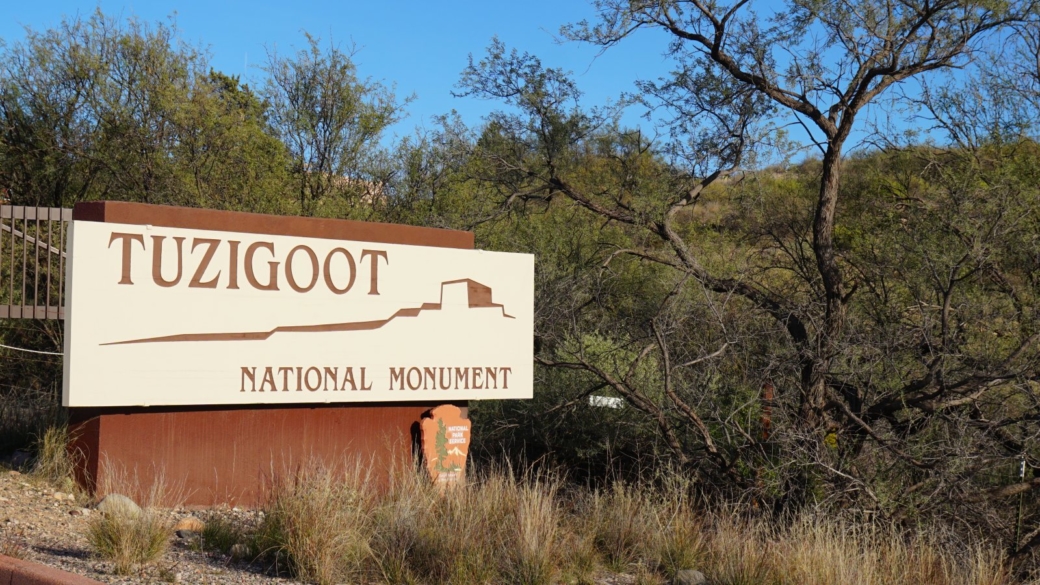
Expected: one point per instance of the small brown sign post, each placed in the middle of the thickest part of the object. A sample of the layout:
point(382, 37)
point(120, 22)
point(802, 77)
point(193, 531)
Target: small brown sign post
point(445, 441)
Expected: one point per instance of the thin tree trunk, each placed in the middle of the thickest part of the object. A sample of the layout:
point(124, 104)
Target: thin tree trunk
point(815, 385)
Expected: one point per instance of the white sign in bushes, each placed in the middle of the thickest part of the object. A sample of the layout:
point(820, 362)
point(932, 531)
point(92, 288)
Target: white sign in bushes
point(168, 316)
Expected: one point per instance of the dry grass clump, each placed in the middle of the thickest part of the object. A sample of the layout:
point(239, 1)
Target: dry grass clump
point(13, 545)
point(55, 464)
point(642, 529)
point(130, 538)
point(534, 529)
point(537, 532)
point(679, 540)
point(319, 522)
point(220, 534)
point(620, 520)
point(498, 529)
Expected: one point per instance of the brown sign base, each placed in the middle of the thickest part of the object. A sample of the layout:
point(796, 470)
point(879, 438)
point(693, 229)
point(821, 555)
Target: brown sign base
point(223, 456)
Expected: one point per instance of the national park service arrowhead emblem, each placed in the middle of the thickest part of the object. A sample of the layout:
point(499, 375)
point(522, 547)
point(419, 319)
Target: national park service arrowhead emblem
point(445, 441)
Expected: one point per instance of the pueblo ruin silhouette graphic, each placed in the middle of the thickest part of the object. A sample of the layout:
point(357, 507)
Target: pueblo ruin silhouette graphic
point(478, 297)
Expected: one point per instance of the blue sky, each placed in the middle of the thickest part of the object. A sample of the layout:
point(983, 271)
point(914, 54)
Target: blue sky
point(419, 46)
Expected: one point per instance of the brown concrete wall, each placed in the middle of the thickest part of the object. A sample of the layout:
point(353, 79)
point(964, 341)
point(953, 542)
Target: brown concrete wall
point(222, 454)
point(214, 456)
point(17, 572)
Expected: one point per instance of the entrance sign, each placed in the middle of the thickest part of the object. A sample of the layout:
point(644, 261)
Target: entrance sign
point(172, 316)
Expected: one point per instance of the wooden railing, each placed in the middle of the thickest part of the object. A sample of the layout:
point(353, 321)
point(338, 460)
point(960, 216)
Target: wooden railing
point(32, 261)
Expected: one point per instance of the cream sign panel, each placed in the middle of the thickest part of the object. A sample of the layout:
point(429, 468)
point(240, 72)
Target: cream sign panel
point(166, 316)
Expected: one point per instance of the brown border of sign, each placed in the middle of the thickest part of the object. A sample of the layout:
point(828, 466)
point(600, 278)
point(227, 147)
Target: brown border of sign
point(274, 225)
point(221, 453)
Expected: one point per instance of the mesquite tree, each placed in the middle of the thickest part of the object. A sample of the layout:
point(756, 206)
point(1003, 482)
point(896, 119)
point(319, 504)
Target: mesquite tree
point(866, 303)
point(824, 63)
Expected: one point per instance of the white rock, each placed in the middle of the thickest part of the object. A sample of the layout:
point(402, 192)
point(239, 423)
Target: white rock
point(118, 504)
point(690, 577)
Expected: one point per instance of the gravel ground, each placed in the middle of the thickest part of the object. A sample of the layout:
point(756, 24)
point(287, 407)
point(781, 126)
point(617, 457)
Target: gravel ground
point(45, 526)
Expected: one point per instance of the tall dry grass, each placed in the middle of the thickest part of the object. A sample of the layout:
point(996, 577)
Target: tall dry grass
point(327, 527)
point(54, 463)
point(621, 523)
point(151, 489)
point(532, 529)
point(319, 523)
point(815, 550)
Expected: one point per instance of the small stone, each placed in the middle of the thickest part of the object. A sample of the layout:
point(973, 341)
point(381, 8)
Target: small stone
point(190, 523)
point(690, 577)
point(178, 577)
point(239, 551)
point(58, 496)
point(118, 504)
point(187, 534)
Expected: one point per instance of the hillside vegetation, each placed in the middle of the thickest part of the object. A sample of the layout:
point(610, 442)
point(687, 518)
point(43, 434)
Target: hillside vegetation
point(855, 334)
